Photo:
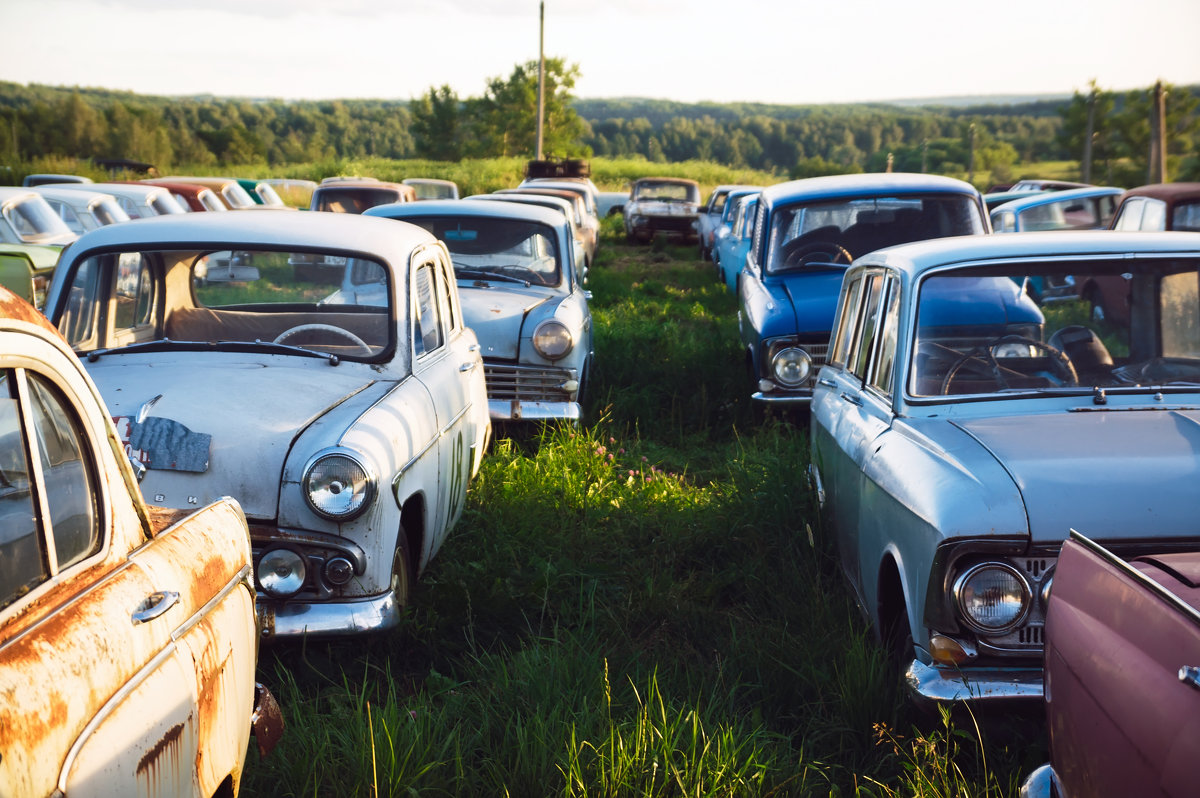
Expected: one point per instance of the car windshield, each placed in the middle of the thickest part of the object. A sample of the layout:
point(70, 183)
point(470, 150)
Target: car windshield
point(324, 302)
point(353, 199)
point(837, 231)
point(507, 249)
point(1030, 329)
point(34, 220)
point(667, 191)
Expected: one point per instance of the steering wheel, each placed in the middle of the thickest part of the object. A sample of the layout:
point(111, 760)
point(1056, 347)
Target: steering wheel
point(985, 355)
point(299, 328)
point(835, 253)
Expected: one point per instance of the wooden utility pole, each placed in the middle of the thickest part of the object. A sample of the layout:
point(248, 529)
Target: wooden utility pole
point(971, 154)
point(541, 75)
point(1086, 171)
point(1158, 136)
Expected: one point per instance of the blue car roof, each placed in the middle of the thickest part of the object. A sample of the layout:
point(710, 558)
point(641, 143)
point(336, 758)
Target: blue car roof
point(885, 183)
point(1046, 197)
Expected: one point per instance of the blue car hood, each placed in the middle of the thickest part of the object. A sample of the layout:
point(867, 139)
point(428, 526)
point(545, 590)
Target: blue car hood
point(812, 298)
point(1111, 474)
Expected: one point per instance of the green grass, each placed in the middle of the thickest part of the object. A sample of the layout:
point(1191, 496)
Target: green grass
point(638, 606)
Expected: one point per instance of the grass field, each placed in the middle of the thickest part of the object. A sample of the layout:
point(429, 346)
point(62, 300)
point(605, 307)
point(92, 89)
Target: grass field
point(638, 606)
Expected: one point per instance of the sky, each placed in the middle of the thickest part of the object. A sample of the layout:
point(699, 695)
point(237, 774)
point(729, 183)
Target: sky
point(766, 51)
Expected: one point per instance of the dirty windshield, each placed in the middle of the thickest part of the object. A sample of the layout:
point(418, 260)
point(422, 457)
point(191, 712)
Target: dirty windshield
point(325, 302)
point(1055, 327)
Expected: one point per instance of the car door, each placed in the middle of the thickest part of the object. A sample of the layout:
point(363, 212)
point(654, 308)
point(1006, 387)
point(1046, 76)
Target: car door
point(446, 360)
point(127, 641)
point(855, 404)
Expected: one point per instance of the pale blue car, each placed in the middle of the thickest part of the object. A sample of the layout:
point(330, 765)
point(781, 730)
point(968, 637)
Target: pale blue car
point(734, 236)
point(958, 432)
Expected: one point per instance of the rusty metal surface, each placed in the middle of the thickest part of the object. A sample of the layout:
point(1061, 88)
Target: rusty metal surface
point(14, 307)
point(266, 723)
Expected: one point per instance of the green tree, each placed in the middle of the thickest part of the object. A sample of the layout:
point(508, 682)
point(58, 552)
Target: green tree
point(1073, 134)
point(504, 120)
point(436, 125)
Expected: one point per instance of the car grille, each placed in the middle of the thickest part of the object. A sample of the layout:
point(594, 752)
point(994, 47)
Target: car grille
point(819, 353)
point(1030, 636)
point(526, 383)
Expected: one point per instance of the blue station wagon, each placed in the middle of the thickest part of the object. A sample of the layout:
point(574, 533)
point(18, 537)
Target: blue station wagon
point(805, 235)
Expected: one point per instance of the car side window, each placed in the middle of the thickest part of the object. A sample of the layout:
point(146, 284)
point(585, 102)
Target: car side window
point(134, 292)
point(861, 344)
point(427, 312)
point(1130, 214)
point(449, 309)
point(847, 322)
point(1154, 217)
point(889, 326)
point(32, 549)
point(79, 319)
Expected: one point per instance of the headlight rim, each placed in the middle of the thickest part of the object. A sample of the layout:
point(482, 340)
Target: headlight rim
point(372, 483)
point(1027, 598)
point(775, 370)
point(304, 565)
point(542, 328)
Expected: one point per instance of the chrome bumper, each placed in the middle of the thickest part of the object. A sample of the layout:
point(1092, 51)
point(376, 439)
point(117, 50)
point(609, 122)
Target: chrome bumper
point(517, 410)
point(327, 619)
point(929, 685)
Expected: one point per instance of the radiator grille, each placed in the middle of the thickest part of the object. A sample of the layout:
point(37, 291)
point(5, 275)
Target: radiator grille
point(527, 383)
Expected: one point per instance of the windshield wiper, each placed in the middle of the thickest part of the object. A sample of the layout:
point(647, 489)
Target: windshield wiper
point(486, 274)
point(166, 344)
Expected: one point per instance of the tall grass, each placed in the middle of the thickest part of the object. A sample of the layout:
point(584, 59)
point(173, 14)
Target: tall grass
point(637, 606)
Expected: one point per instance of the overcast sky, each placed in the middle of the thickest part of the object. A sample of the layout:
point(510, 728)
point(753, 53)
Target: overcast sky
point(771, 51)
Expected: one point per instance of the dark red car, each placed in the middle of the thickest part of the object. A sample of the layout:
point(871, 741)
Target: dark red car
point(1122, 675)
point(1160, 206)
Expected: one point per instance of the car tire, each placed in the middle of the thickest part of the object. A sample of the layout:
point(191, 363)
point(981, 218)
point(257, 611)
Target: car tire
point(402, 571)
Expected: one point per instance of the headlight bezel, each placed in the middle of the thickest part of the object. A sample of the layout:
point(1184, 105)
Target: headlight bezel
point(560, 332)
point(265, 559)
point(370, 486)
point(785, 358)
point(960, 598)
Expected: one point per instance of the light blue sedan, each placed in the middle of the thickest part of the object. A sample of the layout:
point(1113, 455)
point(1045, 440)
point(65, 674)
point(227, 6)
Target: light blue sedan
point(734, 237)
point(958, 434)
point(522, 296)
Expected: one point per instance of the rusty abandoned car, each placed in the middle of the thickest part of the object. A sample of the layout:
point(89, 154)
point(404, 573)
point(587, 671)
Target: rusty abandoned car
point(128, 640)
point(345, 415)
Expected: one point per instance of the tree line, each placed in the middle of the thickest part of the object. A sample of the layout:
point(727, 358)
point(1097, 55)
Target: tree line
point(43, 122)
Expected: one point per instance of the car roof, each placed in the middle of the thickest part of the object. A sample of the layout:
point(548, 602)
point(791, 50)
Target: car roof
point(139, 190)
point(269, 228)
point(683, 180)
point(481, 207)
point(921, 256)
point(77, 197)
point(14, 307)
point(1048, 197)
point(12, 192)
point(870, 184)
point(1171, 192)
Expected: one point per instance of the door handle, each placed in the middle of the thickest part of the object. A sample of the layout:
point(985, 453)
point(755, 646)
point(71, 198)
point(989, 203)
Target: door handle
point(852, 399)
point(828, 383)
point(1190, 675)
point(467, 366)
point(155, 605)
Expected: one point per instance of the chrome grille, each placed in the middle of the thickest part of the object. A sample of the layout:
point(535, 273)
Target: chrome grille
point(526, 383)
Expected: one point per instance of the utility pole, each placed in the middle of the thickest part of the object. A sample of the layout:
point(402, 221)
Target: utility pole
point(1158, 136)
point(1086, 175)
point(541, 75)
point(971, 155)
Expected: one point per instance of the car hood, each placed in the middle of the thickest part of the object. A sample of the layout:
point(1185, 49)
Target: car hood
point(498, 315)
point(812, 294)
point(220, 431)
point(1111, 474)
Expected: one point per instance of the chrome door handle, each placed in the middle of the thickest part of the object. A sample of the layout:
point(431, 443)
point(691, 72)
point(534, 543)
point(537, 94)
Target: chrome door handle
point(828, 383)
point(1190, 675)
point(155, 605)
point(467, 366)
point(852, 399)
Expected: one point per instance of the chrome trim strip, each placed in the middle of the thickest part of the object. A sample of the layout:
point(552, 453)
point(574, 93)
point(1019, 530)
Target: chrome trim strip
point(505, 410)
point(1153, 586)
point(759, 396)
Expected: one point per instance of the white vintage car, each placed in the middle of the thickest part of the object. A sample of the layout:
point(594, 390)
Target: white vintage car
point(346, 416)
point(127, 633)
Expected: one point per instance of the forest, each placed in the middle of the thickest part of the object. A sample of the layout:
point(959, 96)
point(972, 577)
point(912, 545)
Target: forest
point(43, 123)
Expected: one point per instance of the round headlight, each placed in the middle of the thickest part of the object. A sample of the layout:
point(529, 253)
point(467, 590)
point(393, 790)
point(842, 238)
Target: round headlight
point(338, 487)
point(281, 572)
point(791, 367)
point(339, 571)
point(552, 340)
point(992, 597)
